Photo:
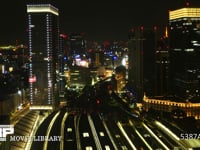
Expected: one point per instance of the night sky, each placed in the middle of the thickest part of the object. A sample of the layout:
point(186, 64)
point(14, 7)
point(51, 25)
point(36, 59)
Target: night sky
point(100, 20)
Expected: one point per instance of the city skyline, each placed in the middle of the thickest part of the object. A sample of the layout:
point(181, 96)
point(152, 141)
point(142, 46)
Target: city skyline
point(145, 91)
point(100, 20)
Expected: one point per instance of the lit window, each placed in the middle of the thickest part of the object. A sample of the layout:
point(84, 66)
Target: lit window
point(107, 147)
point(69, 129)
point(101, 133)
point(86, 134)
point(88, 148)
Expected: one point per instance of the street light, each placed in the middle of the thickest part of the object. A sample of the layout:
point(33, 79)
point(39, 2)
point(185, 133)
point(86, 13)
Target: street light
point(19, 92)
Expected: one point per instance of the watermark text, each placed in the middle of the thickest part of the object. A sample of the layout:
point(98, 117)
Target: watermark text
point(34, 138)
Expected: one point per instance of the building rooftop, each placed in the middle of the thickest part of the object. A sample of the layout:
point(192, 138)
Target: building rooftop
point(184, 13)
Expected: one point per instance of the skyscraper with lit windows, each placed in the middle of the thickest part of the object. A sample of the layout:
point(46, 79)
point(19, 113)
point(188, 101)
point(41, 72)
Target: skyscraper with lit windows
point(184, 37)
point(43, 41)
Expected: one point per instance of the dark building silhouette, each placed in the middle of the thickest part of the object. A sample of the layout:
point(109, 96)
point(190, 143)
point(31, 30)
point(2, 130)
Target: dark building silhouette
point(162, 64)
point(76, 48)
point(149, 48)
point(135, 70)
point(77, 44)
point(142, 46)
point(62, 63)
point(162, 72)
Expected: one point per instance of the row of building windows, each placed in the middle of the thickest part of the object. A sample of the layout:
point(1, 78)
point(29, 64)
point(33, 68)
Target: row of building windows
point(191, 109)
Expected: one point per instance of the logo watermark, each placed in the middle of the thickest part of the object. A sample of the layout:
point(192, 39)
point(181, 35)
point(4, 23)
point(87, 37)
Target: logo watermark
point(5, 130)
point(17, 138)
point(9, 130)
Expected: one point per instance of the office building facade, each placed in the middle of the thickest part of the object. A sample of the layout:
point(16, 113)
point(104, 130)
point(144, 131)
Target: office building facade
point(43, 41)
point(184, 33)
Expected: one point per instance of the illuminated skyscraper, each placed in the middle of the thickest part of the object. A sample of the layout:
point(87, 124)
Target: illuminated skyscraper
point(184, 36)
point(43, 41)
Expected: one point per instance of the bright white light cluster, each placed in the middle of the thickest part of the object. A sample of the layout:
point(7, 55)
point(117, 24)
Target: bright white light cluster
point(42, 8)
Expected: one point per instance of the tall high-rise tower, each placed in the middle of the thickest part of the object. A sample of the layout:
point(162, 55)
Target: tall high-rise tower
point(43, 41)
point(141, 69)
point(162, 64)
point(184, 36)
point(135, 71)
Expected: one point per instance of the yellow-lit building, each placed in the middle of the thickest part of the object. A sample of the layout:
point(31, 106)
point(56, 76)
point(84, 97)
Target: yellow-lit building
point(157, 103)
